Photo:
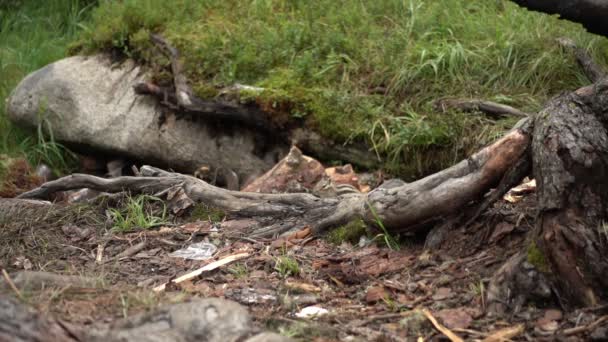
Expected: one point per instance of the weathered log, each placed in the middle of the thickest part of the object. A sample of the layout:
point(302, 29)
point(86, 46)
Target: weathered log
point(591, 13)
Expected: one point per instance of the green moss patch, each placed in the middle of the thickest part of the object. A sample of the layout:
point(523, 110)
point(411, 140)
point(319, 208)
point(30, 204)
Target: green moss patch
point(537, 258)
point(350, 232)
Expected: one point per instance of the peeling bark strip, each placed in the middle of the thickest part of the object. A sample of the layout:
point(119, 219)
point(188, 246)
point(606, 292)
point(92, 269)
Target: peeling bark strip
point(570, 154)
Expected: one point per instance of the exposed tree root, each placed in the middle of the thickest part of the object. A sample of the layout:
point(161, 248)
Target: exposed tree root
point(400, 209)
point(570, 154)
point(592, 70)
point(213, 110)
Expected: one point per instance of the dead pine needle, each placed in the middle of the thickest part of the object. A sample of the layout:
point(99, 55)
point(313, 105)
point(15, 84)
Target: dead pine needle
point(10, 283)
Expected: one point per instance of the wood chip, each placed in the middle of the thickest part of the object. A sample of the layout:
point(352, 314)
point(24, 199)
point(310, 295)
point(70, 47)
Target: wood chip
point(131, 251)
point(99, 254)
point(304, 287)
point(206, 268)
point(505, 334)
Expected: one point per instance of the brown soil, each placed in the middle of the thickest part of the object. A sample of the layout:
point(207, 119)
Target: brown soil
point(371, 292)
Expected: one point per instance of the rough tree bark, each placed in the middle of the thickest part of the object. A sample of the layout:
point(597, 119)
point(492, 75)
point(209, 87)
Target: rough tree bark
point(570, 242)
point(570, 154)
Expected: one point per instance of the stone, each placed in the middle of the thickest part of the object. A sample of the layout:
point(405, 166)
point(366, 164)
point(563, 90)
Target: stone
point(211, 320)
point(90, 105)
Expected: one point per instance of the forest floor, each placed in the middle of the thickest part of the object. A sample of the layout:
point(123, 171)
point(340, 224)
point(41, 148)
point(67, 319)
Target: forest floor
point(365, 291)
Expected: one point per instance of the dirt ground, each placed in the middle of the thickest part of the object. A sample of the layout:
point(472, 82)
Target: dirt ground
point(369, 291)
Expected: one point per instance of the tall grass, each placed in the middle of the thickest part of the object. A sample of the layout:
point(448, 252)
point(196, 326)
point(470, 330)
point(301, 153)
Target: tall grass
point(32, 34)
point(363, 70)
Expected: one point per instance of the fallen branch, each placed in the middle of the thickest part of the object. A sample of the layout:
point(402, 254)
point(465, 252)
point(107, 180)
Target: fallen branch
point(447, 332)
point(209, 267)
point(586, 328)
point(505, 334)
point(183, 91)
point(149, 185)
point(130, 251)
point(493, 109)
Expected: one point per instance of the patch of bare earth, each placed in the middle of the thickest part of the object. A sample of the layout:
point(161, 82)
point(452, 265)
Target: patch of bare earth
point(368, 293)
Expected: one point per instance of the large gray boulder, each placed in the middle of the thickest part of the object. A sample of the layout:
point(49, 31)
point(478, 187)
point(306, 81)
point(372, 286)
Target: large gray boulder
point(90, 104)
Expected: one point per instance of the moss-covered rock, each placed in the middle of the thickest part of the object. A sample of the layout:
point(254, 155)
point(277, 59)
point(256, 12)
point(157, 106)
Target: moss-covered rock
point(356, 71)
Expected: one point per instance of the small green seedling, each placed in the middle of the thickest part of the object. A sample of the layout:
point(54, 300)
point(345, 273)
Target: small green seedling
point(390, 241)
point(137, 214)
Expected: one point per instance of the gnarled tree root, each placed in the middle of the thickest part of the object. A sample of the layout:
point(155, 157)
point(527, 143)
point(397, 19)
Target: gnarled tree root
point(400, 209)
